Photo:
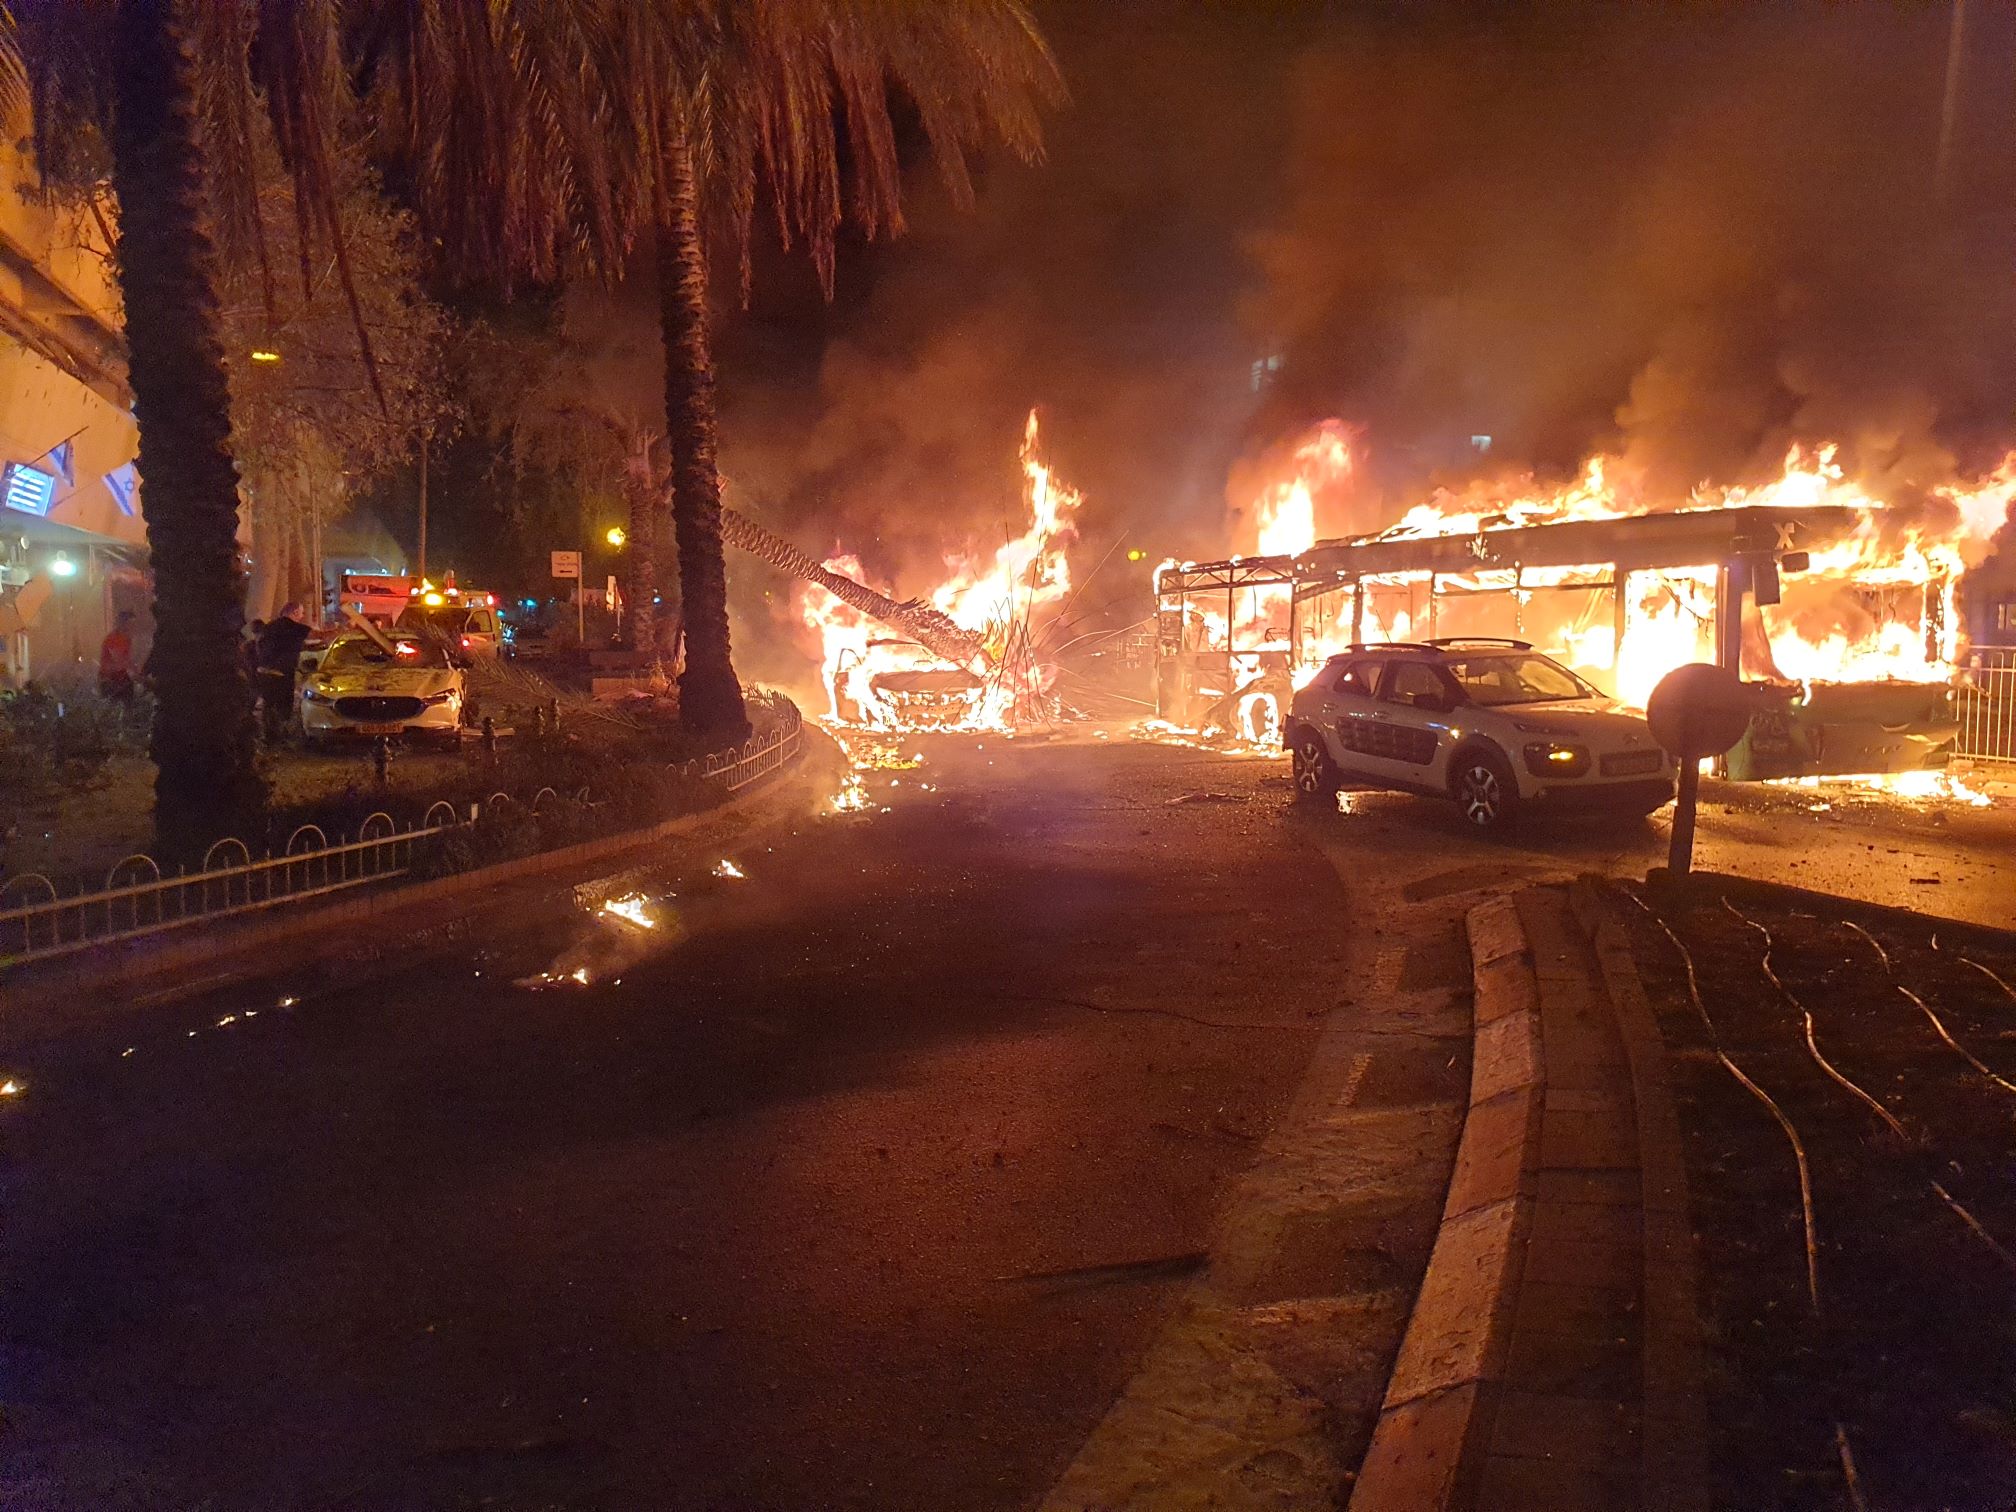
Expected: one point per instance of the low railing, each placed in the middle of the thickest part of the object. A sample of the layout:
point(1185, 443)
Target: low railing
point(1984, 697)
point(756, 758)
point(137, 899)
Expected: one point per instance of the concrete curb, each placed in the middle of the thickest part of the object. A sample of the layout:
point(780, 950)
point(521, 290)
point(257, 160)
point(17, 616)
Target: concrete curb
point(197, 958)
point(1435, 1426)
point(1674, 1446)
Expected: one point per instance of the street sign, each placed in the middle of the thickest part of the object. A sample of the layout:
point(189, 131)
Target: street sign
point(1698, 710)
point(567, 564)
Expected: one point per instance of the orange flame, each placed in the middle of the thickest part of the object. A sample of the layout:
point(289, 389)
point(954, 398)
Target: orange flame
point(998, 594)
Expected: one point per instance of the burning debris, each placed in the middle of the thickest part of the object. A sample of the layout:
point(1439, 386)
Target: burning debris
point(633, 909)
point(991, 668)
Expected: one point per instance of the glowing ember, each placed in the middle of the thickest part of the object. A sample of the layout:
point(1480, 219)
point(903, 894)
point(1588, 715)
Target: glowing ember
point(10, 1088)
point(879, 681)
point(633, 908)
point(1928, 786)
point(726, 868)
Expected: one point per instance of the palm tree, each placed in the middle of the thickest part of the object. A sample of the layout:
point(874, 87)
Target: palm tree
point(126, 74)
point(536, 133)
point(171, 87)
point(679, 118)
point(745, 101)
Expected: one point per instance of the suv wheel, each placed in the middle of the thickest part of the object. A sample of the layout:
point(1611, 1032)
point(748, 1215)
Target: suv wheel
point(1316, 775)
point(1485, 790)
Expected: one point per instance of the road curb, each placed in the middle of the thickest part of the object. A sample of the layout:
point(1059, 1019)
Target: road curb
point(1435, 1425)
point(1554, 1357)
point(1674, 1453)
point(198, 959)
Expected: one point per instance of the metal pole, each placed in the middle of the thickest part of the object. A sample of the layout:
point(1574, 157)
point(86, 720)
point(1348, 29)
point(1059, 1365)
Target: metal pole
point(1680, 851)
point(1231, 619)
point(1949, 103)
point(423, 506)
point(315, 550)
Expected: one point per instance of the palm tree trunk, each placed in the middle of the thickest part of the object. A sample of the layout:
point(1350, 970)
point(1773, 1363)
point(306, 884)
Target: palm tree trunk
point(205, 782)
point(931, 628)
point(641, 550)
point(710, 697)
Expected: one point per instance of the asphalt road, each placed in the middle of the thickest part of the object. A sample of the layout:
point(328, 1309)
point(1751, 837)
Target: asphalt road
point(871, 1178)
point(868, 1187)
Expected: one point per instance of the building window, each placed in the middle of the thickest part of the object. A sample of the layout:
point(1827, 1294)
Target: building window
point(29, 489)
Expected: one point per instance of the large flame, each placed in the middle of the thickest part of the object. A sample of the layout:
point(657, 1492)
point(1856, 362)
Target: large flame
point(1878, 605)
point(1002, 594)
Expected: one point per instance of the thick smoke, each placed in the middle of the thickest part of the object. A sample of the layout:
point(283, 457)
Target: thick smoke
point(1686, 234)
point(1102, 288)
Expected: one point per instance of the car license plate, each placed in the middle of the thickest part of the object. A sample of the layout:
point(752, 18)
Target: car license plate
point(1632, 763)
point(379, 729)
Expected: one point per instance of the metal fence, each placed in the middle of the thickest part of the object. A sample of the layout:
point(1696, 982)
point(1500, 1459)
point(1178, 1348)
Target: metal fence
point(1984, 696)
point(756, 759)
point(137, 899)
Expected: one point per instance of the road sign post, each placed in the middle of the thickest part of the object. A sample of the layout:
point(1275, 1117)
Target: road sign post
point(567, 564)
point(1697, 711)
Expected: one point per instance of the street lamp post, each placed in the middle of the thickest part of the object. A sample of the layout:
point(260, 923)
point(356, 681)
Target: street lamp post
point(423, 506)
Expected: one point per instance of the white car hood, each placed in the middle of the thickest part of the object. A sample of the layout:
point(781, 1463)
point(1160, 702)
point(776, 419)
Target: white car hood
point(392, 682)
point(1598, 721)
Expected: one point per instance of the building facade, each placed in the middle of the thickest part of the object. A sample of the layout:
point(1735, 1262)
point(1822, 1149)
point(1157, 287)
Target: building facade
point(72, 543)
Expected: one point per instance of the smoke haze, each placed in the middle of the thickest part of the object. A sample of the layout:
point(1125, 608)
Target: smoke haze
point(1689, 234)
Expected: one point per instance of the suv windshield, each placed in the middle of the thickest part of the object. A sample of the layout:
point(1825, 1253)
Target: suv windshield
point(347, 655)
point(1492, 681)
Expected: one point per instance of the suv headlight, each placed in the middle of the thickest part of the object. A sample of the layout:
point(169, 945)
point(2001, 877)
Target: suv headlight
point(313, 694)
point(1548, 758)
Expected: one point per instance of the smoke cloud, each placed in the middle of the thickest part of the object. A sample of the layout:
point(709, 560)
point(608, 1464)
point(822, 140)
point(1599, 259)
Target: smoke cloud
point(1686, 234)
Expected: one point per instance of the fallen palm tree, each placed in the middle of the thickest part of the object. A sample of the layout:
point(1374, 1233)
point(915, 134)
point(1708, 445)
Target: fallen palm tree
point(927, 626)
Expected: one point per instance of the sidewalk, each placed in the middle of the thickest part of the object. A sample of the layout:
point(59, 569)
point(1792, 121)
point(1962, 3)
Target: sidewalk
point(1553, 1357)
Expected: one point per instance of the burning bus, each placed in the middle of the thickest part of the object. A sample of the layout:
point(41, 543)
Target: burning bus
point(1838, 610)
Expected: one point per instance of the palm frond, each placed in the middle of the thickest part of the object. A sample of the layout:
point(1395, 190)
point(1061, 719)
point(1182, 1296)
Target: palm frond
point(778, 82)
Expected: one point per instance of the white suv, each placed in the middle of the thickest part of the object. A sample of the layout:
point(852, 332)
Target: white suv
point(1491, 723)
